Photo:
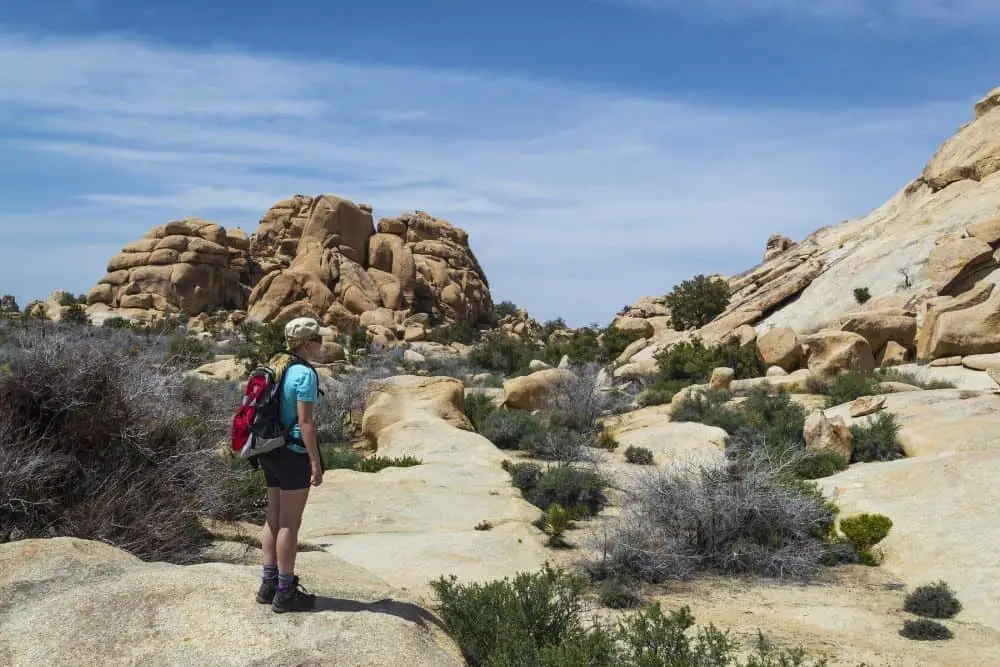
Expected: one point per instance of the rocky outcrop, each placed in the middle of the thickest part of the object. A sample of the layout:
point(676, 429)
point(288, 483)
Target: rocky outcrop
point(833, 352)
point(966, 324)
point(181, 267)
point(972, 154)
point(318, 256)
point(776, 245)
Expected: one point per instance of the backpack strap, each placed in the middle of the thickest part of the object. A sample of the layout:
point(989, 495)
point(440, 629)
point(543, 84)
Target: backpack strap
point(296, 361)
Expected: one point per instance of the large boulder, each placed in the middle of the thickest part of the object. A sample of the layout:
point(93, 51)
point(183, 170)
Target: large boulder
point(75, 602)
point(534, 391)
point(780, 347)
point(831, 352)
point(181, 267)
point(955, 263)
point(962, 325)
point(881, 326)
point(822, 434)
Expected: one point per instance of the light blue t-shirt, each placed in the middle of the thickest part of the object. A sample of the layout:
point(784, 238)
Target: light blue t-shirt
point(299, 385)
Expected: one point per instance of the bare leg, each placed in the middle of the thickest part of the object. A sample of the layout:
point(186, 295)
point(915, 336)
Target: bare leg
point(269, 534)
point(289, 519)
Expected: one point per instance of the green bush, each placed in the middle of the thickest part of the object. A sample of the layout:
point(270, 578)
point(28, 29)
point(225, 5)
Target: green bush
point(819, 464)
point(655, 396)
point(501, 352)
point(845, 387)
point(536, 620)
point(581, 346)
point(697, 301)
point(258, 343)
point(862, 295)
point(906, 377)
point(477, 408)
point(616, 595)
point(878, 441)
point(694, 362)
point(581, 492)
point(615, 340)
point(75, 315)
point(338, 457)
point(607, 441)
point(933, 601)
point(453, 333)
point(708, 407)
point(188, 352)
point(639, 455)
point(924, 629)
point(378, 463)
point(864, 531)
point(512, 429)
point(505, 309)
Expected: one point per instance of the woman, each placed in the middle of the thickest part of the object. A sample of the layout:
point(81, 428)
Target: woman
point(292, 469)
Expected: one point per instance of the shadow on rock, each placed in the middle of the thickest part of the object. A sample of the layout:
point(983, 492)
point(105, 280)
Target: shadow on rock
point(405, 610)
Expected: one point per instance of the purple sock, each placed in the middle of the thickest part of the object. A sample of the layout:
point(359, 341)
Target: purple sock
point(269, 573)
point(285, 581)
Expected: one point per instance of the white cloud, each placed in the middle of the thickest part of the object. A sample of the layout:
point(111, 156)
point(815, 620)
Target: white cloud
point(873, 13)
point(577, 199)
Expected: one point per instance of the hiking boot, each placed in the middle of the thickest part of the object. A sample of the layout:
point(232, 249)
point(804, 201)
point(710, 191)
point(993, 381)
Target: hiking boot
point(265, 594)
point(295, 598)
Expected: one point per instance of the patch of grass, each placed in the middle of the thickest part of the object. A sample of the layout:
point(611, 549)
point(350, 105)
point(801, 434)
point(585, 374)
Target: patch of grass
point(907, 377)
point(864, 531)
point(639, 455)
point(379, 463)
point(820, 464)
point(924, 629)
point(337, 457)
point(607, 441)
point(878, 440)
point(933, 601)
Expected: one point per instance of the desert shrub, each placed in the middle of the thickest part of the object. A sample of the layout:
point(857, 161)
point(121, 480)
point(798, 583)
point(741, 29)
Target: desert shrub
point(67, 300)
point(576, 403)
point(536, 620)
point(864, 531)
point(505, 309)
point(924, 629)
point(501, 352)
point(615, 594)
point(512, 429)
point(257, 343)
point(336, 457)
point(878, 440)
point(731, 519)
point(933, 601)
point(655, 396)
point(559, 443)
point(477, 408)
point(116, 323)
point(378, 463)
point(75, 315)
point(815, 465)
point(483, 525)
point(453, 333)
point(708, 407)
point(581, 492)
point(846, 387)
point(606, 441)
point(188, 352)
point(99, 440)
point(862, 295)
point(693, 361)
point(697, 301)
point(639, 455)
point(615, 340)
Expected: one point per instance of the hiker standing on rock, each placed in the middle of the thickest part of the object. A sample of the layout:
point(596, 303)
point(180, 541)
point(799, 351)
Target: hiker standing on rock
point(291, 470)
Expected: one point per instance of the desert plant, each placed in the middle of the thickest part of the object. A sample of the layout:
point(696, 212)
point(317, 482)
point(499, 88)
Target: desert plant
point(697, 301)
point(615, 594)
point(483, 525)
point(557, 521)
point(607, 441)
point(693, 361)
point(924, 629)
point(379, 463)
point(615, 340)
point(501, 352)
point(337, 457)
point(575, 402)
point(559, 443)
point(844, 388)
point(878, 440)
point(477, 408)
point(512, 429)
point(258, 343)
point(933, 601)
point(505, 309)
point(639, 455)
point(99, 440)
point(815, 465)
point(864, 531)
point(907, 377)
point(581, 492)
point(188, 352)
point(744, 518)
point(862, 295)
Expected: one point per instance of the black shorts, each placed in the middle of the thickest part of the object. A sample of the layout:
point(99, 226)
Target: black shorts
point(285, 469)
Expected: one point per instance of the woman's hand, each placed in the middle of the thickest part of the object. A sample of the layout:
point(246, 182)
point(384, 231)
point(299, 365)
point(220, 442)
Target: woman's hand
point(317, 473)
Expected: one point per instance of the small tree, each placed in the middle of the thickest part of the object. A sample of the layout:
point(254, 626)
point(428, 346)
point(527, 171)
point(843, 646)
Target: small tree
point(862, 295)
point(696, 302)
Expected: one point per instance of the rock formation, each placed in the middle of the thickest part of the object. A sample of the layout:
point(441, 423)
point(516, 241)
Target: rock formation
point(319, 256)
point(928, 257)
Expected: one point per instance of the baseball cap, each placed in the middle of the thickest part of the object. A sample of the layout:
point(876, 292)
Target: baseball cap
point(301, 329)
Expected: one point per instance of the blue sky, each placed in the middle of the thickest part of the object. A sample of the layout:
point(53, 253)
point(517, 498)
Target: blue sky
point(595, 150)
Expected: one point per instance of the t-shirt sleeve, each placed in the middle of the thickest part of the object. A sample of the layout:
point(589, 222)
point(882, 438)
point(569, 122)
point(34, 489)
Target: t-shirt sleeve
point(306, 389)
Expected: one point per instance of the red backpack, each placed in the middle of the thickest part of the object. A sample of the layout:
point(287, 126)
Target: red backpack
point(257, 425)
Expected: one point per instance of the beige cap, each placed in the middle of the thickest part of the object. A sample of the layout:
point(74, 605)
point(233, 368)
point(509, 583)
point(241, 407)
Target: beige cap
point(301, 329)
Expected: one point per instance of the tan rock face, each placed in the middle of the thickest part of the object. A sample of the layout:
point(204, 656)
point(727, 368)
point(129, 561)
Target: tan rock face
point(635, 324)
point(181, 267)
point(721, 378)
point(962, 325)
point(955, 263)
point(780, 347)
point(893, 353)
point(832, 352)
point(776, 245)
point(879, 327)
point(972, 154)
